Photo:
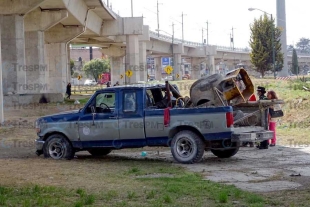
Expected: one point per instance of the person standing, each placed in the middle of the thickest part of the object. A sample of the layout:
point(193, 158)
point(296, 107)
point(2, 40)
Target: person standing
point(116, 84)
point(68, 91)
point(271, 95)
point(261, 96)
point(108, 84)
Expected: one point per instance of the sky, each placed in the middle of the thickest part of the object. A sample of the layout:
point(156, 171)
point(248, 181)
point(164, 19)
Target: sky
point(222, 15)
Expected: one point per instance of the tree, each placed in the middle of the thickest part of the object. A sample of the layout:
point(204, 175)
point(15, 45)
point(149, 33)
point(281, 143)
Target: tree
point(96, 67)
point(261, 45)
point(295, 69)
point(72, 67)
point(303, 45)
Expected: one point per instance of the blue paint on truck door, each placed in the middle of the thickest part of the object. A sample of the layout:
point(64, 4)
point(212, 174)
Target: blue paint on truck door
point(131, 117)
point(101, 128)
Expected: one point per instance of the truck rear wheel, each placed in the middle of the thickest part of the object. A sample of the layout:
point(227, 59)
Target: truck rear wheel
point(99, 152)
point(225, 153)
point(187, 147)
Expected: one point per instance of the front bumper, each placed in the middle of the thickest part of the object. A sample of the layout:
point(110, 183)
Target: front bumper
point(253, 136)
point(39, 146)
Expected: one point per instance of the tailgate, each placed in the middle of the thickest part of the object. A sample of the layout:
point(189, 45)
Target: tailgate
point(251, 134)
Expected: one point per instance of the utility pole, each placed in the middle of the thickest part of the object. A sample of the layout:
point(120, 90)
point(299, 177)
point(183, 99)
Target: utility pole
point(207, 32)
point(202, 36)
point(157, 19)
point(183, 27)
point(232, 38)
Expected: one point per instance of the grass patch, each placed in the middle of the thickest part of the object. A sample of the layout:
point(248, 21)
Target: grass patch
point(188, 189)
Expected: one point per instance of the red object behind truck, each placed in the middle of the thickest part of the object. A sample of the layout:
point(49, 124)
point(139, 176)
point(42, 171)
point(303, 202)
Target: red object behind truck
point(105, 77)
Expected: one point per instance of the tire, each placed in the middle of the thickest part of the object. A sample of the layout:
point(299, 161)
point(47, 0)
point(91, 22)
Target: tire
point(225, 153)
point(194, 152)
point(58, 147)
point(99, 152)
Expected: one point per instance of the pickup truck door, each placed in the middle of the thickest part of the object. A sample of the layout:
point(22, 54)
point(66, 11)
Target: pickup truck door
point(131, 118)
point(100, 129)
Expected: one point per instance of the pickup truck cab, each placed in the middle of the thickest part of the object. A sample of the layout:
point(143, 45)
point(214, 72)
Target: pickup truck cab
point(137, 116)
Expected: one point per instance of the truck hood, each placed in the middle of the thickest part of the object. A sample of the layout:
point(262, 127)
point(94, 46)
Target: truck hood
point(65, 116)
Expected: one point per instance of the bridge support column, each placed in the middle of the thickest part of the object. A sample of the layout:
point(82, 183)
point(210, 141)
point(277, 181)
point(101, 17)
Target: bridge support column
point(143, 63)
point(158, 69)
point(35, 61)
point(211, 65)
point(36, 22)
point(195, 69)
point(132, 58)
point(13, 54)
point(177, 62)
point(57, 39)
point(117, 69)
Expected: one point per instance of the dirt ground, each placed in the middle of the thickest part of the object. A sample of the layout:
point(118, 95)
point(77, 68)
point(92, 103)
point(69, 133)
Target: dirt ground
point(275, 169)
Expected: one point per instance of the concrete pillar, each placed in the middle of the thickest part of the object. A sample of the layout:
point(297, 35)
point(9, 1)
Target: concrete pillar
point(35, 61)
point(211, 65)
point(143, 63)
point(69, 64)
point(158, 68)
point(57, 39)
point(117, 69)
point(36, 22)
point(177, 61)
point(13, 54)
point(132, 58)
point(195, 69)
point(57, 66)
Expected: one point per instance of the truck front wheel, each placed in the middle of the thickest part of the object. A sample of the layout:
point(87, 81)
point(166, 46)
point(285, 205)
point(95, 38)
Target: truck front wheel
point(58, 147)
point(225, 153)
point(187, 147)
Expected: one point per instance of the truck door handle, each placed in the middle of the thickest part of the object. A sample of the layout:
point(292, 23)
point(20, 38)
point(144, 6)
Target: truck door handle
point(112, 117)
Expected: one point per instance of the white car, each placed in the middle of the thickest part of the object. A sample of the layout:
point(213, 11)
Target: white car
point(90, 83)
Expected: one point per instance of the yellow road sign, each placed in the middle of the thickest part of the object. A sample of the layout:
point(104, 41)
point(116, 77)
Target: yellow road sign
point(122, 76)
point(178, 75)
point(168, 69)
point(129, 73)
point(79, 77)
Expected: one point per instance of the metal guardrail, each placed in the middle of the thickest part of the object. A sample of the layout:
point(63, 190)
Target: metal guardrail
point(218, 47)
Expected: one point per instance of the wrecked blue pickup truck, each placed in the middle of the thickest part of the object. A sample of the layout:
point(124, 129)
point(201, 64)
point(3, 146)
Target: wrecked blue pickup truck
point(137, 116)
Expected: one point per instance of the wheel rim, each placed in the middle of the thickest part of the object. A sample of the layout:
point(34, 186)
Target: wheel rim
point(57, 149)
point(185, 147)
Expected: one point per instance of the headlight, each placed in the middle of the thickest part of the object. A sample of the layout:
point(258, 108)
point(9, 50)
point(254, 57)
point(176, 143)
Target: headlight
point(38, 129)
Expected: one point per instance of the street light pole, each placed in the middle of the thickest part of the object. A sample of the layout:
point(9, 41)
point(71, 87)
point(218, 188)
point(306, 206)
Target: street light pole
point(131, 9)
point(182, 28)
